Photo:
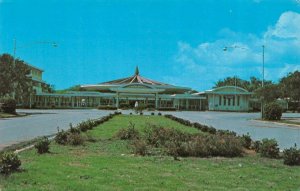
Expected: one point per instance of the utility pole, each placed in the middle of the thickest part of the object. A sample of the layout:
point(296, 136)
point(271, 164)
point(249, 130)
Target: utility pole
point(262, 82)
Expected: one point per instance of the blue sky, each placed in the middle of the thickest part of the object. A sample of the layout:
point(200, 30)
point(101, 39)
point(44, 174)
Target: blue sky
point(177, 42)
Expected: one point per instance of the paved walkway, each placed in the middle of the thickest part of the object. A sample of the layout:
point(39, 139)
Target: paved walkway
point(41, 122)
point(242, 123)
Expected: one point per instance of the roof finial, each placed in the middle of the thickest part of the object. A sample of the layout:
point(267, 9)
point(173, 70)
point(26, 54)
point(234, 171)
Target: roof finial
point(137, 72)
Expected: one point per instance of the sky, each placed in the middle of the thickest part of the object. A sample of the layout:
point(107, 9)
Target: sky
point(179, 42)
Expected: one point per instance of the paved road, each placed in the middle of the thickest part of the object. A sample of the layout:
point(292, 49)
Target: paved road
point(45, 122)
point(41, 122)
point(242, 123)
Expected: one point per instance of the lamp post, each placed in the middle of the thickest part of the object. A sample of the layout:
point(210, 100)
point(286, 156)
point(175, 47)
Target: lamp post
point(25, 45)
point(262, 82)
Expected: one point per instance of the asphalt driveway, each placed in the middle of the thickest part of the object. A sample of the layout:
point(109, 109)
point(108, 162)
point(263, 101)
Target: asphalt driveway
point(243, 123)
point(45, 122)
point(42, 122)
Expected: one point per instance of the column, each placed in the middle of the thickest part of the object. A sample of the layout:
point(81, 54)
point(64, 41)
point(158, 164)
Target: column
point(187, 104)
point(200, 105)
point(117, 101)
point(156, 100)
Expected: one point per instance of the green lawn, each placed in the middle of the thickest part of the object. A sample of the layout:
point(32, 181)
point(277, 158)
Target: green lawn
point(108, 164)
point(6, 115)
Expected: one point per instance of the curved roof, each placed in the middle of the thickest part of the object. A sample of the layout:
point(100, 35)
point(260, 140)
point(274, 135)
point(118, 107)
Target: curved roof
point(228, 90)
point(136, 78)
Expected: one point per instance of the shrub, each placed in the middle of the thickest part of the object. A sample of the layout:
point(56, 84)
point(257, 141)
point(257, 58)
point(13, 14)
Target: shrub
point(140, 147)
point(8, 105)
point(159, 114)
point(291, 156)
point(272, 111)
point(141, 113)
point(75, 139)
point(9, 162)
point(42, 145)
point(226, 132)
point(246, 141)
point(128, 133)
point(152, 113)
point(257, 145)
point(205, 146)
point(61, 137)
point(269, 148)
point(74, 129)
point(86, 125)
point(159, 136)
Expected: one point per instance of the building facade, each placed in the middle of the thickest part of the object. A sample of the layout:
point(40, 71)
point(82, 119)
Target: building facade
point(125, 92)
point(228, 98)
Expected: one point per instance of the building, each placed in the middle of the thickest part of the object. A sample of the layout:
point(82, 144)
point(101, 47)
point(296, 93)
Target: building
point(125, 92)
point(228, 98)
point(36, 76)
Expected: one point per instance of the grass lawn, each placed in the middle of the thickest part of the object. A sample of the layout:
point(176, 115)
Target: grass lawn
point(6, 115)
point(289, 122)
point(108, 164)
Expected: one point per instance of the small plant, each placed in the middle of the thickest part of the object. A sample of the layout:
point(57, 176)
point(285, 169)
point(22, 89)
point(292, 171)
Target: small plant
point(246, 141)
point(42, 145)
point(256, 145)
point(152, 113)
point(74, 129)
point(272, 111)
point(128, 133)
point(9, 162)
point(61, 137)
point(159, 114)
point(291, 156)
point(75, 139)
point(269, 148)
point(8, 105)
point(141, 113)
point(140, 147)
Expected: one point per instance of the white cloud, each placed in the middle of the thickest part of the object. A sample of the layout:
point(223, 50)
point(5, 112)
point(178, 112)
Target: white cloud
point(288, 26)
point(208, 60)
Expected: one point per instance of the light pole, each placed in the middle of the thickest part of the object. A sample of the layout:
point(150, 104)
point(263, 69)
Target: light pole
point(14, 57)
point(262, 82)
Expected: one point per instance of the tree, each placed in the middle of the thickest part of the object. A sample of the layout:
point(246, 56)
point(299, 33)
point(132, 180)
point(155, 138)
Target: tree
point(23, 84)
point(269, 92)
point(14, 78)
point(251, 85)
point(6, 75)
point(290, 86)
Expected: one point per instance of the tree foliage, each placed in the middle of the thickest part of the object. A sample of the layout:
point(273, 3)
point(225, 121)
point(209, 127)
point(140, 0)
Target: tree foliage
point(14, 78)
point(250, 85)
point(269, 93)
point(290, 86)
